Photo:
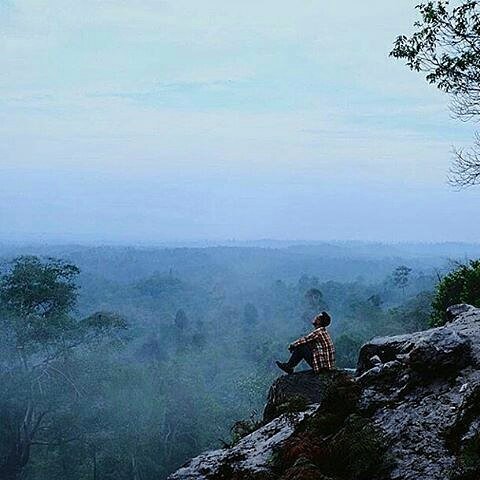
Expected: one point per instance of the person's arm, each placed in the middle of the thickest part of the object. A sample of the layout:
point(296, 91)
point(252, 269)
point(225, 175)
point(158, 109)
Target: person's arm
point(306, 339)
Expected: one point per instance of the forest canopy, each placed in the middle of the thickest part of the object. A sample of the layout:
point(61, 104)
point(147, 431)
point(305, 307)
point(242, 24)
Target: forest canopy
point(123, 363)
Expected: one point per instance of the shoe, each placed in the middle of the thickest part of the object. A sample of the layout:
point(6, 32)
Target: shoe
point(285, 367)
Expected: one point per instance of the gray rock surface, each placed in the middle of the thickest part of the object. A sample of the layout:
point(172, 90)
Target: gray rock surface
point(422, 391)
point(250, 456)
point(307, 386)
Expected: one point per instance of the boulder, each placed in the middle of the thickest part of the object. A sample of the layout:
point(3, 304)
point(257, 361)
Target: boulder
point(438, 352)
point(418, 391)
point(415, 397)
point(291, 391)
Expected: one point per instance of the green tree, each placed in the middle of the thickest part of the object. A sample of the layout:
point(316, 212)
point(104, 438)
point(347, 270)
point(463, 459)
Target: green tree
point(414, 314)
point(314, 304)
point(375, 300)
point(347, 348)
point(41, 341)
point(401, 277)
point(36, 297)
point(446, 46)
point(42, 289)
point(462, 285)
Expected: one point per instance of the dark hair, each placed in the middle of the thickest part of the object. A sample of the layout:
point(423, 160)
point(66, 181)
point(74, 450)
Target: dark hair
point(325, 317)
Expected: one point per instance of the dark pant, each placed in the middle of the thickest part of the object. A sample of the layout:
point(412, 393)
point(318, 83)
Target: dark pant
point(302, 352)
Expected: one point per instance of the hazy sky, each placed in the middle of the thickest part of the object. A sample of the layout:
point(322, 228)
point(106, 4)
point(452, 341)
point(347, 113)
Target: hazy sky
point(145, 120)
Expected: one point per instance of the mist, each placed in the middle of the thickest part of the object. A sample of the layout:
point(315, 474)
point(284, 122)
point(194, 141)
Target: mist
point(186, 188)
point(96, 207)
point(177, 123)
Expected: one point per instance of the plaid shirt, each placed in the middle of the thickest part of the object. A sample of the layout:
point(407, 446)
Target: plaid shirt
point(322, 348)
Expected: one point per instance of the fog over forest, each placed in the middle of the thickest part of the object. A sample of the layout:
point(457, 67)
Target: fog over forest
point(191, 336)
point(189, 188)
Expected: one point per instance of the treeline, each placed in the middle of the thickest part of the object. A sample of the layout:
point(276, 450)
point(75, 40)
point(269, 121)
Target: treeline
point(127, 380)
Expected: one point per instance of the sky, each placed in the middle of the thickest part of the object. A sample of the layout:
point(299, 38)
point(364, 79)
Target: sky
point(145, 121)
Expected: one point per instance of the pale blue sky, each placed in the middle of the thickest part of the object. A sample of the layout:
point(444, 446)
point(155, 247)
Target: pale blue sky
point(144, 120)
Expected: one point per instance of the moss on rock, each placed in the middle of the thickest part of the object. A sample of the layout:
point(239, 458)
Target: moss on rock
point(336, 442)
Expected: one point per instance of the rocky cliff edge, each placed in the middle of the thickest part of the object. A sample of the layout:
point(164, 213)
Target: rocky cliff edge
point(410, 412)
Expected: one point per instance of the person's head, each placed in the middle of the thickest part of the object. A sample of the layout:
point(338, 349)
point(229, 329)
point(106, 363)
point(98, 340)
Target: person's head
point(322, 320)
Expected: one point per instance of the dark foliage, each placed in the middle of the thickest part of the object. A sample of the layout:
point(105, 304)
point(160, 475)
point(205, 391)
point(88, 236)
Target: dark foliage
point(446, 46)
point(335, 442)
point(462, 285)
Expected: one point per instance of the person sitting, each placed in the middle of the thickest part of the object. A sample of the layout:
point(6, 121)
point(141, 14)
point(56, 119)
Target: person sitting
point(316, 348)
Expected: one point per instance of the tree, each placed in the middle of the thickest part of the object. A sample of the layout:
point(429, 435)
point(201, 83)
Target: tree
point(375, 300)
point(305, 283)
point(462, 285)
point(40, 338)
point(37, 297)
point(446, 46)
point(314, 304)
point(347, 347)
point(414, 314)
point(314, 298)
point(199, 340)
point(401, 277)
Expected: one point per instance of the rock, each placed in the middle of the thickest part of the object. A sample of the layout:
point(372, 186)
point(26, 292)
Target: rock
point(415, 396)
point(385, 349)
point(446, 349)
point(375, 360)
point(456, 311)
point(249, 458)
point(290, 391)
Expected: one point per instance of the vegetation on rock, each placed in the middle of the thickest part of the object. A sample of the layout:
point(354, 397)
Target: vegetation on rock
point(462, 285)
point(336, 442)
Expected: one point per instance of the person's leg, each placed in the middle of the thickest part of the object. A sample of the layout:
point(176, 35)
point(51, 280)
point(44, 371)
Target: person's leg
point(302, 352)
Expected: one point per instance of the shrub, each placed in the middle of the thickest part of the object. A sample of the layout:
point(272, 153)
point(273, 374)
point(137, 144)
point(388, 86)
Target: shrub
point(341, 396)
point(295, 404)
point(462, 285)
point(242, 428)
point(336, 441)
point(357, 451)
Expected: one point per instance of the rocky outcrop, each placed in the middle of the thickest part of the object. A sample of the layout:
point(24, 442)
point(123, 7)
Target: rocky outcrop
point(419, 390)
point(411, 413)
point(249, 458)
point(290, 391)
